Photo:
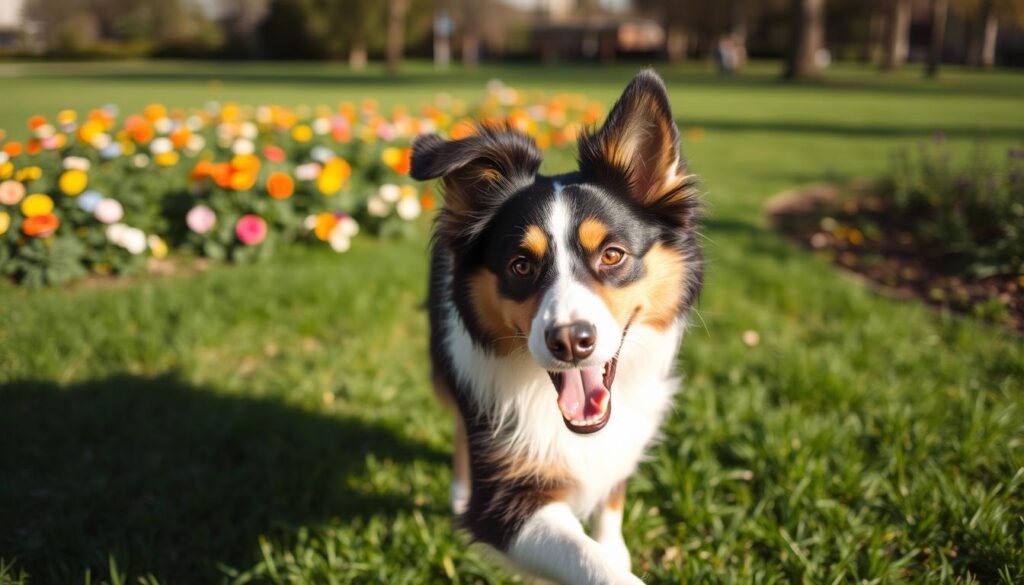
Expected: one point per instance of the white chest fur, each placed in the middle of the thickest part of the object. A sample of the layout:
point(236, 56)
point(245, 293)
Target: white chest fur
point(519, 395)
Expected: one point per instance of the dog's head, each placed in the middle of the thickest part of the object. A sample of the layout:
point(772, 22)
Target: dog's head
point(565, 265)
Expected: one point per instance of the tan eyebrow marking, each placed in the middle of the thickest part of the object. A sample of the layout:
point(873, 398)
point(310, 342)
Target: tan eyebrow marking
point(536, 241)
point(592, 234)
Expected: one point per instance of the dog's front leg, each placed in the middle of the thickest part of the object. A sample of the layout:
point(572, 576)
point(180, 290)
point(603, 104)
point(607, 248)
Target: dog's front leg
point(552, 545)
point(607, 527)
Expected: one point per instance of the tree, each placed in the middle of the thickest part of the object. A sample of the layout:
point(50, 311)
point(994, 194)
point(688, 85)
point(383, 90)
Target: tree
point(940, 11)
point(897, 44)
point(397, 10)
point(987, 16)
point(807, 38)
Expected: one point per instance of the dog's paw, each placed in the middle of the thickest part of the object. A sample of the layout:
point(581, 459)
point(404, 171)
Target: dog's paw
point(459, 497)
point(617, 553)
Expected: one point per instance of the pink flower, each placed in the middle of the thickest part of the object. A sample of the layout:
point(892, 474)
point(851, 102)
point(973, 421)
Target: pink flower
point(200, 219)
point(108, 211)
point(251, 229)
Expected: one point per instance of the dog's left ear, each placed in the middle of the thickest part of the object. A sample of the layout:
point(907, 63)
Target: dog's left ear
point(637, 151)
point(478, 173)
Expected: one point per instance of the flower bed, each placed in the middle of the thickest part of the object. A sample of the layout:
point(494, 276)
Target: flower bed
point(101, 193)
point(949, 233)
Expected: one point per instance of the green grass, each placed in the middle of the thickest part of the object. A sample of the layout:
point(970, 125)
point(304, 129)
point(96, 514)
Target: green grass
point(274, 423)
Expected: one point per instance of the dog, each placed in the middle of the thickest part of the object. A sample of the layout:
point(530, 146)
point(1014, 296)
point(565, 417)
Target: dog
point(557, 305)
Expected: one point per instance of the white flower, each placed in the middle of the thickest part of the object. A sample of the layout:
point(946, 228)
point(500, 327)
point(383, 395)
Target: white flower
point(264, 115)
point(378, 207)
point(140, 161)
point(134, 240)
point(249, 130)
point(322, 154)
point(244, 146)
point(321, 126)
point(194, 123)
point(101, 141)
point(196, 143)
point(115, 233)
point(427, 126)
point(347, 226)
point(45, 131)
point(161, 145)
point(408, 208)
point(309, 223)
point(307, 172)
point(77, 163)
point(389, 192)
point(163, 125)
point(338, 240)
point(4, 157)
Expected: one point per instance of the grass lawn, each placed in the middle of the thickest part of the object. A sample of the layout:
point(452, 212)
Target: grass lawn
point(274, 423)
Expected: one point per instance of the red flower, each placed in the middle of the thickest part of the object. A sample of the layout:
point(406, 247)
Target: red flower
point(251, 229)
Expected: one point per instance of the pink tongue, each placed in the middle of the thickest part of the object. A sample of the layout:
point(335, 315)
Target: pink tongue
point(582, 394)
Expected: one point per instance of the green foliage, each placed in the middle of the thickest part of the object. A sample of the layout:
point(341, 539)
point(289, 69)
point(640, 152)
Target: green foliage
point(970, 216)
point(273, 423)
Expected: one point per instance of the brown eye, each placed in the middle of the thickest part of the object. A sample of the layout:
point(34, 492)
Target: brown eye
point(612, 256)
point(521, 267)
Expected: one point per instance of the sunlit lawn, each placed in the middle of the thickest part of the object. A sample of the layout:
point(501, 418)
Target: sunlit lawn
point(274, 423)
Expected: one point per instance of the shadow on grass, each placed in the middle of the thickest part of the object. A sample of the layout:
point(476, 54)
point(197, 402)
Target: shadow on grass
point(172, 479)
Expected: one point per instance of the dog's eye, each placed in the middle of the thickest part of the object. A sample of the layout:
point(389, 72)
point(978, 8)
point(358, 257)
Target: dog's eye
point(612, 256)
point(520, 267)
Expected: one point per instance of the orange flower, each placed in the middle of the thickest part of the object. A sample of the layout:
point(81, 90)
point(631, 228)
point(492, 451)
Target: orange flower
point(40, 226)
point(155, 111)
point(222, 175)
point(404, 162)
point(36, 122)
point(202, 170)
point(427, 200)
point(461, 130)
point(12, 149)
point(325, 224)
point(179, 138)
point(280, 185)
point(34, 146)
point(243, 180)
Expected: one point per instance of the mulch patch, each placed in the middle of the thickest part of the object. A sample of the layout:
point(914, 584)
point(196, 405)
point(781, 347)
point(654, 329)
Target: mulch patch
point(852, 227)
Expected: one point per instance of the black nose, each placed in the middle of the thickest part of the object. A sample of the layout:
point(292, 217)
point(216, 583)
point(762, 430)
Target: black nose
point(572, 342)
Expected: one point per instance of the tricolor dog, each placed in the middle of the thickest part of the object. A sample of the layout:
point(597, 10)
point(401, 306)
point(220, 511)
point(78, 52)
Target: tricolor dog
point(557, 305)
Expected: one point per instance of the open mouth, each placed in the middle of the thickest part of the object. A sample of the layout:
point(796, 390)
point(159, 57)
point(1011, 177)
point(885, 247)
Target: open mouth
point(585, 394)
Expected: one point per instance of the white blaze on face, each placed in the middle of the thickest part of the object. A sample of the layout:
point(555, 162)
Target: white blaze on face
point(569, 300)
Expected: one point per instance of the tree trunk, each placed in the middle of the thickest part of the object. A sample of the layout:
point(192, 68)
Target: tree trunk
point(940, 10)
point(738, 32)
point(990, 35)
point(898, 42)
point(357, 55)
point(470, 49)
point(807, 38)
point(874, 50)
point(396, 34)
point(677, 42)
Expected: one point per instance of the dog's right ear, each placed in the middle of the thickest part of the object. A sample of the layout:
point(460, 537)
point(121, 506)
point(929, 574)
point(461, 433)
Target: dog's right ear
point(478, 173)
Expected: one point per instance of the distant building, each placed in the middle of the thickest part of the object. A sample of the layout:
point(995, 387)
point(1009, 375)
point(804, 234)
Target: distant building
point(11, 23)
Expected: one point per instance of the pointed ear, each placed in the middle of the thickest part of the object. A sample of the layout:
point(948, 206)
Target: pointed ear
point(478, 173)
point(637, 150)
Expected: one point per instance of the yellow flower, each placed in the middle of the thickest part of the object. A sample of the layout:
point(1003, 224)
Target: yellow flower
point(73, 182)
point(36, 204)
point(67, 117)
point(28, 174)
point(302, 133)
point(329, 183)
point(5, 222)
point(167, 159)
point(6, 170)
point(392, 156)
point(90, 130)
point(157, 246)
